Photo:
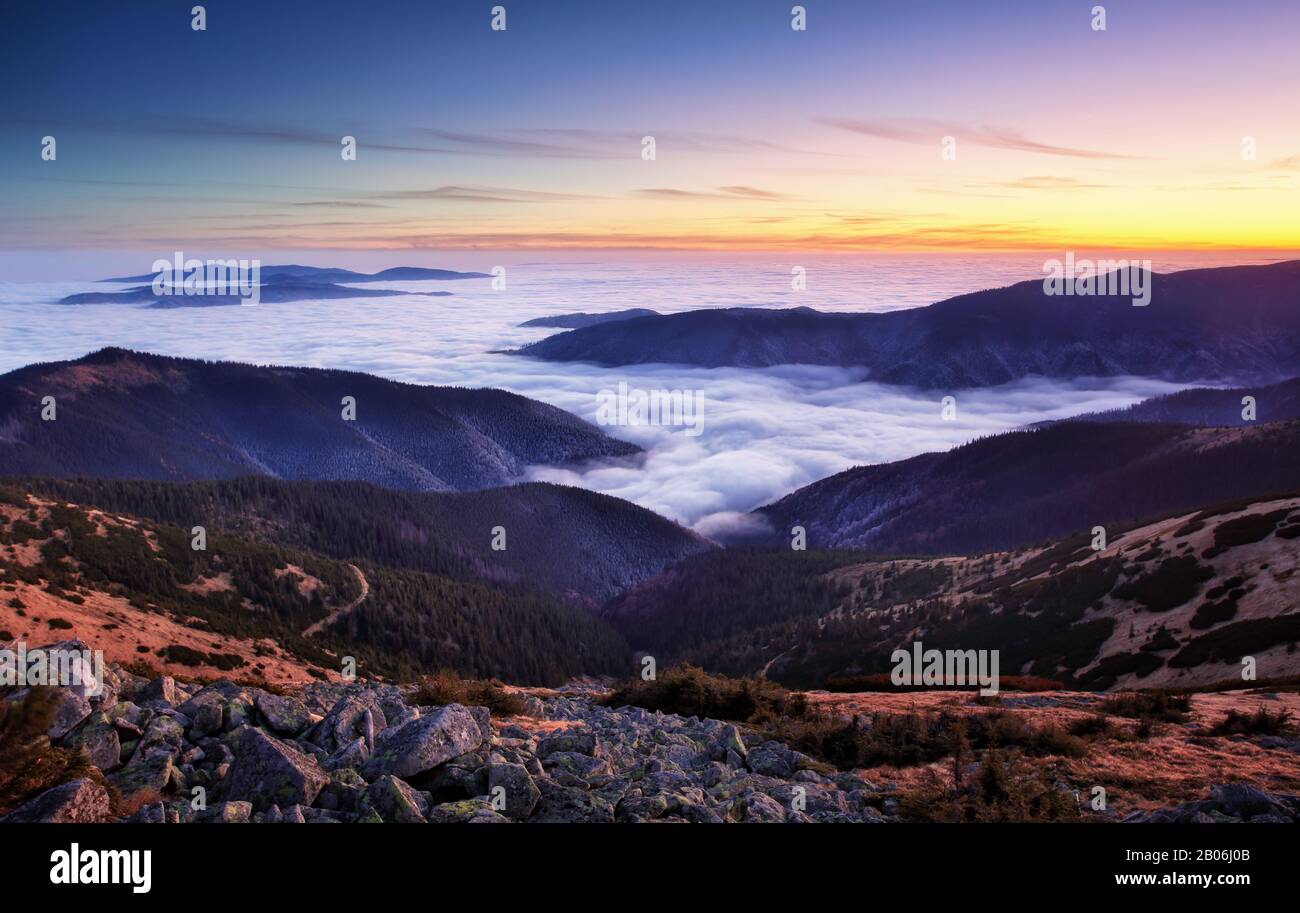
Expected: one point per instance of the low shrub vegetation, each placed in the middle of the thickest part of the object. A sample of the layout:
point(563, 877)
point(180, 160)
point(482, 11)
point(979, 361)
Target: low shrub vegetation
point(1157, 706)
point(847, 742)
point(188, 656)
point(1172, 583)
point(1002, 789)
point(29, 764)
point(689, 691)
point(1261, 722)
point(447, 687)
point(882, 681)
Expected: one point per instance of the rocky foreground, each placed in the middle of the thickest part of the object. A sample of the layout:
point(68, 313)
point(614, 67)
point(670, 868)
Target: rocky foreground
point(167, 751)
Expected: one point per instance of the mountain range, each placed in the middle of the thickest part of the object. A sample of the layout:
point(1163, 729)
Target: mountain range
point(1211, 407)
point(582, 319)
point(247, 607)
point(1224, 324)
point(333, 274)
point(353, 513)
point(273, 291)
point(123, 414)
point(570, 542)
point(278, 284)
point(1171, 602)
point(1022, 487)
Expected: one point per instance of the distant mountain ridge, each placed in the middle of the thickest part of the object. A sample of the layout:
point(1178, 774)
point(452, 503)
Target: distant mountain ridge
point(273, 291)
point(1022, 487)
point(278, 284)
point(584, 319)
point(1225, 323)
point(334, 274)
point(1210, 407)
point(123, 414)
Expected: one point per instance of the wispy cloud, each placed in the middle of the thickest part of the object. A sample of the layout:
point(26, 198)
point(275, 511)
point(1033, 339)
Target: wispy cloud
point(722, 193)
point(753, 193)
point(1049, 182)
point(559, 142)
point(476, 194)
point(230, 130)
point(572, 144)
point(336, 204)
point(918, 131)
point(531, 142)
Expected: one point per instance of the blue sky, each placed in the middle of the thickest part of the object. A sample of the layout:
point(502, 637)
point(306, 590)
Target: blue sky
point(530, 137)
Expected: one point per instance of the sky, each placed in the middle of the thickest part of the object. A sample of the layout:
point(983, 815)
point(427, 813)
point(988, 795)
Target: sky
point(228, 140)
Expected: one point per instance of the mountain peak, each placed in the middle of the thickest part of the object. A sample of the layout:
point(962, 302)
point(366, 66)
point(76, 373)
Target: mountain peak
point(157, 417)
point(1222, 324)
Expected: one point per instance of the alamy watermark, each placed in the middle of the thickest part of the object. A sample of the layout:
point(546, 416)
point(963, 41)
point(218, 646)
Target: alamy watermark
point(77, 866)
point(179, 276)
point(919, 666)
point(80, 669)
point(1117, 278)
point(634, 406)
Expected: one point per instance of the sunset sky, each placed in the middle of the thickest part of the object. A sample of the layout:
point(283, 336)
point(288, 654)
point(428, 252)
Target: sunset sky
point(767, 138)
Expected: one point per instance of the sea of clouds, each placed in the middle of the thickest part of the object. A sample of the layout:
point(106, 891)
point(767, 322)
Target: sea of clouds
point(764, 432)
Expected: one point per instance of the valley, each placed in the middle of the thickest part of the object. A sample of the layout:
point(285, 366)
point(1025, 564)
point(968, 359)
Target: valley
point(1130, 573)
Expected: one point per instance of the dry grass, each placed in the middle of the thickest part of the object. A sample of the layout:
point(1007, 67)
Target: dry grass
point(125, 806)
point(848, 742)
point(447, 687)
point(688, 691)
point(29, 764)
point(1261, 722)
point(1157, 706)
point(1002, 789)
point(883, 682)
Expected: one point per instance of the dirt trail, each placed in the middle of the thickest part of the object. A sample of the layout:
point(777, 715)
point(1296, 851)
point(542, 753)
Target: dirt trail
point(314, 629)
point(768, 665)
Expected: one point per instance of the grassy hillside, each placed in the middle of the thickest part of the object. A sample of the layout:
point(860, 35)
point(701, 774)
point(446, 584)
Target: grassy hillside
point(139, 589)
point(1174, 602)
point(566, 540)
